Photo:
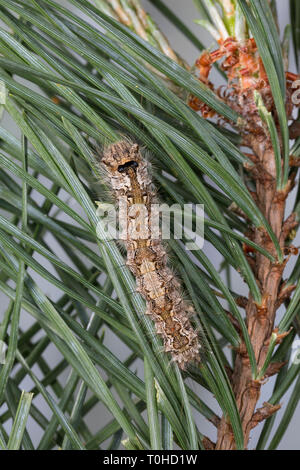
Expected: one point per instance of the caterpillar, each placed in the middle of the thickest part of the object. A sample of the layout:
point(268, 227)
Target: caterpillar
point(129, 178)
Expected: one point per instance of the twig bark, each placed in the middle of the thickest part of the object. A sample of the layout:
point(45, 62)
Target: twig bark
point(260, 318)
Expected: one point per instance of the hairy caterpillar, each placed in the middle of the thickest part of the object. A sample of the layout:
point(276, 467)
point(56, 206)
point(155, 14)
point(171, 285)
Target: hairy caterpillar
point(146, 256)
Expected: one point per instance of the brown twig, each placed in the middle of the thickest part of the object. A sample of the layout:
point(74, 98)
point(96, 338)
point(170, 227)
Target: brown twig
point(247, 79)
point(260, 319)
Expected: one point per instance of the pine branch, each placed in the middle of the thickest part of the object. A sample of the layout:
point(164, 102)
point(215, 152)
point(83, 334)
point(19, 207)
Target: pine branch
point(75, 79)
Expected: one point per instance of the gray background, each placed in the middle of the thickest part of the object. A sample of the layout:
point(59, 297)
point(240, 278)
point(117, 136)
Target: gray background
point(99, 416)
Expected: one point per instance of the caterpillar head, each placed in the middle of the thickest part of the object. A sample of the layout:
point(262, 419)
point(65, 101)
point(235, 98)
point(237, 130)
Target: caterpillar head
point(123, 161)
point(121, 156)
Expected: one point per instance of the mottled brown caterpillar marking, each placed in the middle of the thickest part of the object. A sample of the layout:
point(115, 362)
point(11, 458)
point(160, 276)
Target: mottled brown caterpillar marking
point(146, 257)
